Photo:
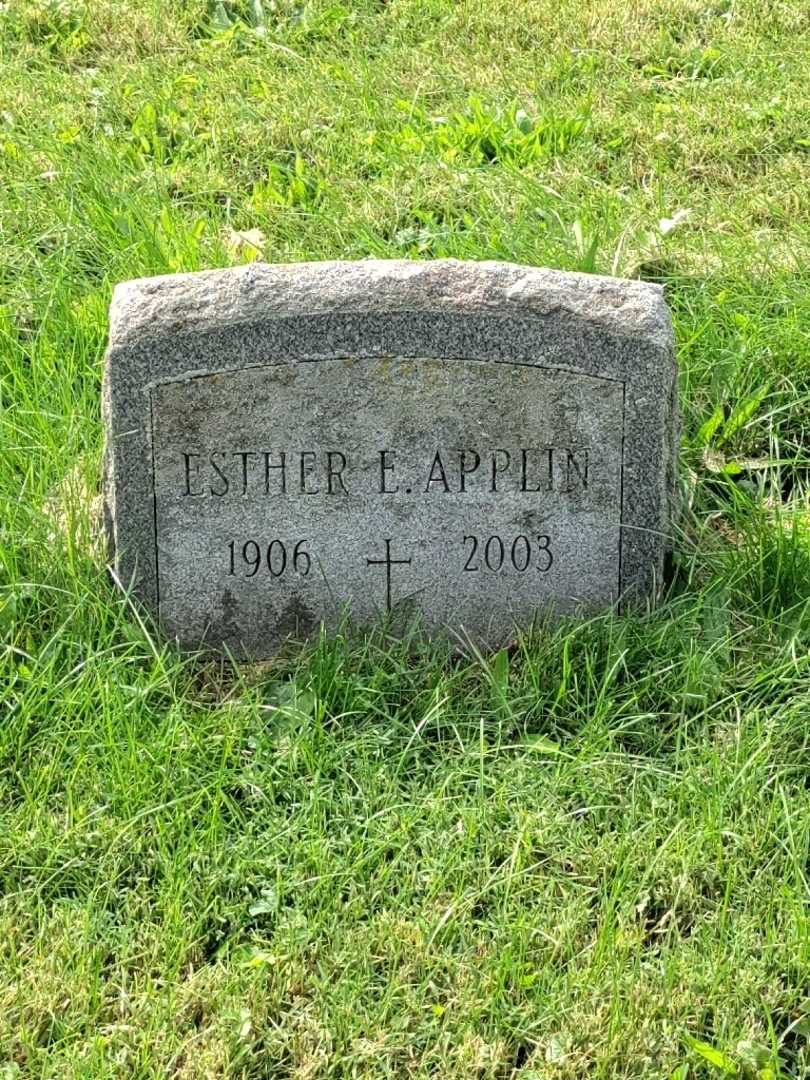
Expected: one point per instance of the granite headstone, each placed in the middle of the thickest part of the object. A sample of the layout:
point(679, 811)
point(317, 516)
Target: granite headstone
point(469, 445)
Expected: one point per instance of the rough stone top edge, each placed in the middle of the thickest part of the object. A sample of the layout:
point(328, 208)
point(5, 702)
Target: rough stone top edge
point(193, 303)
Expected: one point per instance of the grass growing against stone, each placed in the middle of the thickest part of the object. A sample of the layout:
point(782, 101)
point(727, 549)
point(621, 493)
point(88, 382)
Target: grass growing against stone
point(585, 856)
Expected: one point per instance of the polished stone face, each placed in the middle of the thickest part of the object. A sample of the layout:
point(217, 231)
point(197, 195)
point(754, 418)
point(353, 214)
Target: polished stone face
point(467, 446)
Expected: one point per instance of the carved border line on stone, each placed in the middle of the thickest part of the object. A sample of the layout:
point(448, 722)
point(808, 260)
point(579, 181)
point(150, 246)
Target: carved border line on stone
point(253, 367)
point(167, 329)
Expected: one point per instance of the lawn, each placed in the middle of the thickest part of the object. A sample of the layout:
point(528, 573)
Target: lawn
point(585, 856)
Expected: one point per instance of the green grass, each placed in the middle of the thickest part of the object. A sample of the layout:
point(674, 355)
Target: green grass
point(586, 856)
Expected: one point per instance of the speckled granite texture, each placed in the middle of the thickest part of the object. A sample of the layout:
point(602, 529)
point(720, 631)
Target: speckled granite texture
point(465, 444)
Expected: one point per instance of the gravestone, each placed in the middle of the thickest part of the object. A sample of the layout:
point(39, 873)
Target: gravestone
point(465, 444)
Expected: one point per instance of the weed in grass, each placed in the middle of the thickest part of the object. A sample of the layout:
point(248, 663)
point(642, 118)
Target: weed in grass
point(56, 27)
point(482, 136)
point(295, 184)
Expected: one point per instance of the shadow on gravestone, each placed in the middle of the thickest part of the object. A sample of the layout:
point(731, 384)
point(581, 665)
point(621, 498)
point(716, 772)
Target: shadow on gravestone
point(468, 444)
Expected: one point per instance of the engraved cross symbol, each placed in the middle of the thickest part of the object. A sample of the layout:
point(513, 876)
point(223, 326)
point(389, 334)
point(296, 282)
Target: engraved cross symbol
point(388, 562)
